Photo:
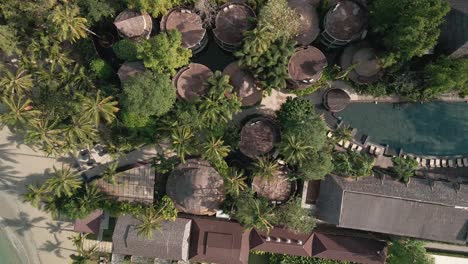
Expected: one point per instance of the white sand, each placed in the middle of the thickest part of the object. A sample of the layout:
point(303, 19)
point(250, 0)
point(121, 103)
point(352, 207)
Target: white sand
point(38, 238)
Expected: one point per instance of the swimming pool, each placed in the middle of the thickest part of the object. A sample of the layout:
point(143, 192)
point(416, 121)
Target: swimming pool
point(427, 129)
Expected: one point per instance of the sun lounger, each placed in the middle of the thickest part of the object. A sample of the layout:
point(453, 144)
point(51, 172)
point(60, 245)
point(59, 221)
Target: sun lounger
point(378, 151)
point(329, 134)
point(451, 163)
point(431, 163)
point(346, 144)
point(354, 147)
point(418, 160)
point(423, 162)
point(359, 149)
point(371, 149)
point(444, 163)
point(437, 163)
point(341, 142)
point(465, 162)
point(459, 163)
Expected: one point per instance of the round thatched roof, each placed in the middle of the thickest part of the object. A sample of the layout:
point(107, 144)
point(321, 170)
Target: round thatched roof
point(188, 23)
point(346, 20)
point(190, 81)
point(309, 29)
point(362, 56)
point(244, 84)
point(336, 100)
point(277, 188)
point(306, 65)
point(130, 68)
point(232, 20)
point(133, 24)
point(258, 137)
point(196, 187)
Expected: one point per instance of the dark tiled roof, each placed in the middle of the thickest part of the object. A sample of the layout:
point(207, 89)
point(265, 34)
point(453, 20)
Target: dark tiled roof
point(454, 31)
point(188, 23)
point(282, 241)
point(170, 241)
point(217, 241)
point(434, 211)
point(89, 224)
point(133, 24)
point(232, 21)
point(190, 81)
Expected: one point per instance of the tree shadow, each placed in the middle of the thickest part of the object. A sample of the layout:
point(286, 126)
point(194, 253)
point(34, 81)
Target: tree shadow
point(56, 227)
point(8, 178)
point(53, 246)
point(23, 223)
point(5, 154)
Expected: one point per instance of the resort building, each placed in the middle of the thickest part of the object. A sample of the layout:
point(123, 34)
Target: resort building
point(231, 22)
point(196, 187)
point(363, 58)
point(423, 209)
point(453, 39)
point(309, 28)
point(336, 100)
point(90, 224)
point(133, 24)
point(305, 67)
point(190, 24)
point(258, 137)
point(244, 84)
point(130, 68)
point(190, 81)
point(344, 22)
point(277, 188)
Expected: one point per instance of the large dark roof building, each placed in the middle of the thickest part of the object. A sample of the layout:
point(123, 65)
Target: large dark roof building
point(424, 209)
point(453, 38)
point(170, 241)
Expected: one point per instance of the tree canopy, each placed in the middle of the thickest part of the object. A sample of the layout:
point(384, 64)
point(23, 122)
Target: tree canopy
point(408, 251)
point(294, 217)
point(404, 168)
point(353, 164)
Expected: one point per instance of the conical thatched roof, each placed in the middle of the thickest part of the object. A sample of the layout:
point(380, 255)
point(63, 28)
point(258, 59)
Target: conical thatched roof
point(363, 57)
point(309, 29)
point(133, 24)
point(129, 69)
point(305, 67)
point(188, 23)
point(190, 81)
point(232, 21)
point(244, 84)
point(336, 100)
point(258, 137)
point(346, 20)
point(196, 187)
point(277, 188)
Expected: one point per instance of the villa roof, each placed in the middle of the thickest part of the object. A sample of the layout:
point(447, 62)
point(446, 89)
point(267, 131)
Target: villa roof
point(277, 188)
point(232, 20)
point(424, 209)
point(170, 241)
point(135, 184)
point(190, 81)
point(258, 137)
point(363, 58)
point(89, 224)
point(133, 24)
point(309, 28)
point(336, 100)
point(188, 23)
point(129, 69)
point(277, 242)
point(306, 65)
point(196, 187)
point(346, 20)
point(218, 241)
point(453, 38)
point(243, 83)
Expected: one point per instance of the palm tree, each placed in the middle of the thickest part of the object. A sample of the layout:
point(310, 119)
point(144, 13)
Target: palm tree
point(68, 25)
point(254, 212)
point(50, 206)
point(80, 132)
point(99, 108)
point(235, 182)
point(64, 182)
point(265, 168)
point(214, 150)
point(91, 199)
point(34, 194)
point(294, 150)
point(181, 141)
point(84, 255)
point(45, 134)
point(150, 220)
point(342, 133)
point(17, 83)
point(110, 174)
point(20, 111)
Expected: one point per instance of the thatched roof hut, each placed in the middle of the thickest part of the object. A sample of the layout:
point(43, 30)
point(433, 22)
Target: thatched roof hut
point(190, 81)
point(336, 100)
point(363, 57)
point(305, 67)
point(244, 84)
point(277, 188)
point(130, 68)
point(196, 187)
point(232, 21)
point(344, 22)
point(133, 24)
point(258, 137)
point(190, 24)
point(309, 29)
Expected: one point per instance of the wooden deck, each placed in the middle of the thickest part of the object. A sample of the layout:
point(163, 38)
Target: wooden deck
point(101, 246)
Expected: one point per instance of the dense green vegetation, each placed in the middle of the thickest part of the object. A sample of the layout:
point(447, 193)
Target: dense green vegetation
point(404, 168)
point(408, 251)
point(288, 259)
point(353, 164)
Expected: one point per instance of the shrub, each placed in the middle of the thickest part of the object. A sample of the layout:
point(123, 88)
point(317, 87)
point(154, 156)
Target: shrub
point(408, 251)
point(404, 168)
point(101, 69)
point(126, 50)
point(352, 164)
point(294, 217)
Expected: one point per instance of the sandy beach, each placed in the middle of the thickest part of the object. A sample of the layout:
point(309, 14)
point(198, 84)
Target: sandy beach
point(38, 238)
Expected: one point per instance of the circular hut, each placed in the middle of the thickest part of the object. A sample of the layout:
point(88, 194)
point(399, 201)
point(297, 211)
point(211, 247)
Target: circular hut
point(190, 81)
point(244, 84)
point(196, 187)
point(343, 23)
point(190, 24)
point(277, 188)
point(133, 24)
point(258, 137)
point(336, 100)
point(363, 58)
point(130, 68)
point(231, 22)
point(305, 67)
point(309, 28)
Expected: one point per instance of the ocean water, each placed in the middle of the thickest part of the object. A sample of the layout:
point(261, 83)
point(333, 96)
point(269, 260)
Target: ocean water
point(8, 253)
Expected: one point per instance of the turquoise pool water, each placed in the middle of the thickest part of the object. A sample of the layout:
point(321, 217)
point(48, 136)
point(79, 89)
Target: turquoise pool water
point(8, 253)
point(431, 128)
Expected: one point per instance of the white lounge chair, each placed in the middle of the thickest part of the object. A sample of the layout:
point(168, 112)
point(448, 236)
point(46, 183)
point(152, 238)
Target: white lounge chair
point(431, 163)
point(423, 162)
point(378, 151)
point(371, 149)
point(341, 142)
point(359, 149)
point(329, 134)
point(418, 160)
point(444, 163)
point(451, 163)
point(346, 144)
point(354, 147)
point(465, 162)
point(459, 163)
point(437, 163)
